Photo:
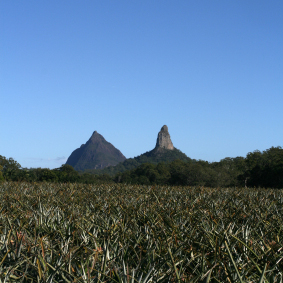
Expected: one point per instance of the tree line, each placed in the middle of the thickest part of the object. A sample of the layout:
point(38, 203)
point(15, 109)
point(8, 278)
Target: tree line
point(11, 170)
point(257, 169)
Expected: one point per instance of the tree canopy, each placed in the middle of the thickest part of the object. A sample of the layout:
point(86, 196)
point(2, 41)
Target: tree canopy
point(257, 169)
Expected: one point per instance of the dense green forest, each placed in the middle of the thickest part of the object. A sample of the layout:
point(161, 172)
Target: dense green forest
point(257, 169)
point(154, 156)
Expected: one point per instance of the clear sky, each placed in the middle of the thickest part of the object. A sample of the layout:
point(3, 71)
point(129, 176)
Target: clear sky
point(211, 70)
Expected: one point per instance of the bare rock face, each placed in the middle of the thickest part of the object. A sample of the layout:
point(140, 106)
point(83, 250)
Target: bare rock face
point(163, 139)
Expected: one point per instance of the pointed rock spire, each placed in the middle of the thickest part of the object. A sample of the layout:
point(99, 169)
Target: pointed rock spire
point(163, 139)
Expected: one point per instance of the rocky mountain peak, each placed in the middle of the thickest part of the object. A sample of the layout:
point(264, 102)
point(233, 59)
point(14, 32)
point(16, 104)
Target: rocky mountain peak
point(96, 153)
point(96, 137)
point(163, 139)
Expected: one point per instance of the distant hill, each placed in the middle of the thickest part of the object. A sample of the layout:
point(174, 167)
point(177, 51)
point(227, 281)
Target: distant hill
point(164, 151)
point(97, 153)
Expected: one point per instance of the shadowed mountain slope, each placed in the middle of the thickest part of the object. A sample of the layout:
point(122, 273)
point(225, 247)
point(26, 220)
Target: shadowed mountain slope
point(97, 153)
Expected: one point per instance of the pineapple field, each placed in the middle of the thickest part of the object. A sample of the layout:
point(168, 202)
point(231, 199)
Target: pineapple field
point(131, 233)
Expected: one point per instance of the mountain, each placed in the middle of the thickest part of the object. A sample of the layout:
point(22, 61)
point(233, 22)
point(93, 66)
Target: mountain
point(164, 139)
point(164, 151)
point(97, 153)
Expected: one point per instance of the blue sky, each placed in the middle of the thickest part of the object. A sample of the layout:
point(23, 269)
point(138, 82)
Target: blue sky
point(212, 71)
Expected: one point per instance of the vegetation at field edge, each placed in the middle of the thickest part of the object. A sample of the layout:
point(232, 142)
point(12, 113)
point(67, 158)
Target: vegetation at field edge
point(258, 169)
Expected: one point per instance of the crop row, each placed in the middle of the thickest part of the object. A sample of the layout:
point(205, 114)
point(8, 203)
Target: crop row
point(124, 233)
